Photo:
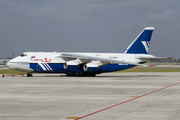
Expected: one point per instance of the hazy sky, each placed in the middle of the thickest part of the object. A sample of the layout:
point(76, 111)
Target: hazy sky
point(87, 25)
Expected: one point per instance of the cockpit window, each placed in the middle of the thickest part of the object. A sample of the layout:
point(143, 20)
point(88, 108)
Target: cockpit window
point(23, 55)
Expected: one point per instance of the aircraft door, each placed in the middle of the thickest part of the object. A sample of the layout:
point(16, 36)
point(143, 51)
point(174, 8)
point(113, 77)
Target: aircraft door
point(38, 67)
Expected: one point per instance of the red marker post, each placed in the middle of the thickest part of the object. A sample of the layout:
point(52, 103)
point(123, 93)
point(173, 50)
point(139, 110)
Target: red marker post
point(3, 75)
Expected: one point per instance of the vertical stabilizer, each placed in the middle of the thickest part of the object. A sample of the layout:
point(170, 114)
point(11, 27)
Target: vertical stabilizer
point(142, 42)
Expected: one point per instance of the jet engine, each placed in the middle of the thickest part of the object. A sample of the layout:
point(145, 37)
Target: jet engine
point(71, 65)
point(90, 67)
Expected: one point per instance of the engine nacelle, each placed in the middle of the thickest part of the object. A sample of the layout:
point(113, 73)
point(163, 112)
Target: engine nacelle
point(90, 67)
point(70, 65)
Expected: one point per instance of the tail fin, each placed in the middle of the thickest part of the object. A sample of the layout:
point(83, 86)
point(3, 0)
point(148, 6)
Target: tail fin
point(142, 42)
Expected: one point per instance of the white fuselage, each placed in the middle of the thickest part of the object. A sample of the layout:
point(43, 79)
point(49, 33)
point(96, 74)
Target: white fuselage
point(86, 64)
point(22, 63)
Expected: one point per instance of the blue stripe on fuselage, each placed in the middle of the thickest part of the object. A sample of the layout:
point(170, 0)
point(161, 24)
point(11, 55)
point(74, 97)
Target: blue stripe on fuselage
point(58, 68)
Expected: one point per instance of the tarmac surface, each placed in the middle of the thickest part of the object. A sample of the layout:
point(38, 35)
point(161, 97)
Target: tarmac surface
point(110, 96)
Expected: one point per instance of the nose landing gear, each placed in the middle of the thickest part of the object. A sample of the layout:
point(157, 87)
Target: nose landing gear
point(29, 74)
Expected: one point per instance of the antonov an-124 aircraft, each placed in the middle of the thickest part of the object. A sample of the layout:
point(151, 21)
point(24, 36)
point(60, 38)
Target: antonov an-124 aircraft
point(86, 64)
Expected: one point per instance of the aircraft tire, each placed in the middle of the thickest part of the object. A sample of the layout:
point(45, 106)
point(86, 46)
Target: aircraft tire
point(82, 75)
point(29, 75)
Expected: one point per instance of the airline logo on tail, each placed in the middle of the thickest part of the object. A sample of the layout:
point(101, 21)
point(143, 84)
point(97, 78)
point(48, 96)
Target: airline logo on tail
point(146, 45)
point(142, 42)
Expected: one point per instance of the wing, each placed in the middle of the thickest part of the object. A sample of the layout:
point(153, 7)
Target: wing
point(73, 56)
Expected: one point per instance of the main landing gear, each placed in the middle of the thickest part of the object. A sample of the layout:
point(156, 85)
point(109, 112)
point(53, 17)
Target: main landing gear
point(82, 74)
point(29, 74)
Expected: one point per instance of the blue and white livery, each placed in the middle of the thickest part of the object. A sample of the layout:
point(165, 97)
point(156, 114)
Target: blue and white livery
point(86, 64)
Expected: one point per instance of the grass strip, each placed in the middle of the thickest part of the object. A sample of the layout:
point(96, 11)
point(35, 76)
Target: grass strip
point(151, 70)
point(10, 72)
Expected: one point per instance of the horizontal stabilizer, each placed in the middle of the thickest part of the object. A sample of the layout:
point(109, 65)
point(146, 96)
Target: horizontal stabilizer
point(154, 58)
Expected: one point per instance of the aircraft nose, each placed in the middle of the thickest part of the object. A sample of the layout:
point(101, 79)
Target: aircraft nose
point(10, 65)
